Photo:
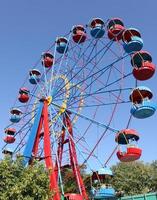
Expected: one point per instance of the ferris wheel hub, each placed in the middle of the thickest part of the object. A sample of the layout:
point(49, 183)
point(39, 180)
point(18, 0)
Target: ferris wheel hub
point(49, 100)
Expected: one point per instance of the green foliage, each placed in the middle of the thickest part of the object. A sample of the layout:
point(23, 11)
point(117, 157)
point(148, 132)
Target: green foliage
point(154, 176)
point(129, 178)
point(132, 178)
point(32, 183)
point(20, 183)
point(69, 182)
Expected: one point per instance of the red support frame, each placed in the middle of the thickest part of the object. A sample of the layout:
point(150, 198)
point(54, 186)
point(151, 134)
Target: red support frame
point(72, 152)
point(44, 122)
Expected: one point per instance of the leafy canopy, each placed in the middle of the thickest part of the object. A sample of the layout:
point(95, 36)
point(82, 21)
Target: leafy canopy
point(20, 183)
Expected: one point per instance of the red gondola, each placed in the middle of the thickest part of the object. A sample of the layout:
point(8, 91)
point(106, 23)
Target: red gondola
point(23, 95)
point(146, 71)
point(9, 139)
point(143, 66)
point(73, 196)
point(47, 60)
point(133, 153)
point(79, 34)
point(115, 29)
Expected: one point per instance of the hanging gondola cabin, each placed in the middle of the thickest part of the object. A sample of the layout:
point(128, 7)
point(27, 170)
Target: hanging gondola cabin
point(143, 68)
point(124, 136)
point(73, 196)
point(97, 28)
point(47, 60)
point(34, 76)
point(132, 40)
point(10, 132)
point(23, 95)
point(79, 34)
point(15, 115)
point(101, 187)
point(132, 152)
point(115, 29)
point(102, 174)
point(62, 45)
point(7, 152)
point(142, 106)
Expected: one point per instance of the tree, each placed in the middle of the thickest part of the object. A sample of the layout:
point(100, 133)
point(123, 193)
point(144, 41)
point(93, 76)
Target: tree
point(153, 176)
point(20, 183)
point(132, 178)
point(129, 178)
point(69, 181)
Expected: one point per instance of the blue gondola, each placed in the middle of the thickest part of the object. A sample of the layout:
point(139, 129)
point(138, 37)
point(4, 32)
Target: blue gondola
point(34, 76)
point(15, 115)
point(101, 188)
point(132, 40)
point(62, 45)
point(97, 28)
point(105, 171)
point(143, 110)
point(102, 193)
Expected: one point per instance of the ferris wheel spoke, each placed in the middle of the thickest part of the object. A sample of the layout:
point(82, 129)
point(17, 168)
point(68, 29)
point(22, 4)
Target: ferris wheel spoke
point(60, 64)
point(89, 119)
point(101, 105)
point(52, 69)
point(102, 92)
point(87, 147)
point(78, 149)
point(111, 50)
point(119, 79)
point(129, 121)
point(89, 60)
point(21, 129)
point(75, 65)
point(102, 71)
point(38, 86)
point(103, 134)
point(28, 113)
point(26, 105)
point(94, 63)
point(89, 95)
point(93, 155)
point(109, 158)
point(70, 70)
point(76, 61)
point(20, 145)
point(96, 78)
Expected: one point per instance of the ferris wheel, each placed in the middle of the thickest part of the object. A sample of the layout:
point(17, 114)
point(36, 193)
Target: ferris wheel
point(87, 86)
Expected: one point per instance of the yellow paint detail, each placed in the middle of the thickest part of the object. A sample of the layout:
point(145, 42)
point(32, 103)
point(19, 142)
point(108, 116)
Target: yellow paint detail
point(49, 100)
point(63, 105)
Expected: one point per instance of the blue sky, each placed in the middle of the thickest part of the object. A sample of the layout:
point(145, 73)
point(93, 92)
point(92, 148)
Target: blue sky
point(28, 27)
